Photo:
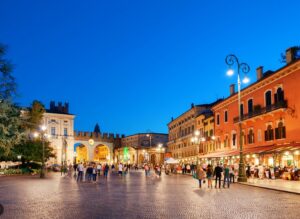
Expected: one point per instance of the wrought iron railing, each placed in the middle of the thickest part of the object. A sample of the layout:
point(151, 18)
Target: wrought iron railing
point(259, 111)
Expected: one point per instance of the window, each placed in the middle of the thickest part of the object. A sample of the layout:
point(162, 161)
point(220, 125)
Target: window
point(269, 133)
point(226, 116)
point(279, 96)
point(52, 130)
point(218, 119)
point(280, 131)
point(250, 136)
point(234, 139)
point(259, 137)
point(268, 100)
point(226, 141)
point(242, 109)
point(211, 132)
point(65, 132)
point(250, 106)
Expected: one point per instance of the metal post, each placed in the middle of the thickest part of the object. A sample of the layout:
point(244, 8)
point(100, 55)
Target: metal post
point(230, 60)
point(43, 157)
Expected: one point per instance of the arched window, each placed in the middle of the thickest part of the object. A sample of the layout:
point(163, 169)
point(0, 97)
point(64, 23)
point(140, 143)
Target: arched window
point(279, 96)
point(280, 131)
point(250, 136)
point(269, 133)
point(250, 106)
point(242, 109)
point(268, 100)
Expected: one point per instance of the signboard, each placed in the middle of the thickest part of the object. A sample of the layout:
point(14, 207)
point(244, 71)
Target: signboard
point(126, 153)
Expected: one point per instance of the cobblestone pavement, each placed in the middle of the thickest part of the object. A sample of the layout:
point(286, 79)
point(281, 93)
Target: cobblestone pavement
point(136, 196)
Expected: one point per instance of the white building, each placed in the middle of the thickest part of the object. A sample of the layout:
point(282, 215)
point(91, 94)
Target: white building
point(60, 128)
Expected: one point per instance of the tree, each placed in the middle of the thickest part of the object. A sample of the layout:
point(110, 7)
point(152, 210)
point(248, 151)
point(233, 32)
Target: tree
point(33, 117)
point(7, 81)
point(32, 150)
point(11, 131)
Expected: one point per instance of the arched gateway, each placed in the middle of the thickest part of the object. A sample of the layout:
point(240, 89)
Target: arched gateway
point(94, 147)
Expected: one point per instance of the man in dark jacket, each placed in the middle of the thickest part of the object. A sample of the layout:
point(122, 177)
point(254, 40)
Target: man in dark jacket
point(218, 173)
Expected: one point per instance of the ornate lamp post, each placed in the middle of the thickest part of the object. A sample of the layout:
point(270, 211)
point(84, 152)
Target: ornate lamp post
point(230, 61)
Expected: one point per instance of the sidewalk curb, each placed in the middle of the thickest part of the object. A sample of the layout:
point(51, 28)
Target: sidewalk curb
point(274, 189)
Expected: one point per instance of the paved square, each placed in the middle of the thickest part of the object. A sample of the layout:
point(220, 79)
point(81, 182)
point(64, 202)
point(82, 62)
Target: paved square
point(136, 196)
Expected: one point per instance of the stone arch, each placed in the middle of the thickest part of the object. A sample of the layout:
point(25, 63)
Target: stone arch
point(141, 159)
point(102, 153)
point(81, 152)
point(153, 159)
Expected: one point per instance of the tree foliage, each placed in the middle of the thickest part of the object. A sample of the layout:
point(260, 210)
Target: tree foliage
point(11, 131)
point(32, 150)
point(33, 117)
point(7, 81)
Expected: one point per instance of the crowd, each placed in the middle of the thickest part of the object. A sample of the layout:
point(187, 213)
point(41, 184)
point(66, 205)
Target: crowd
point(224, 173)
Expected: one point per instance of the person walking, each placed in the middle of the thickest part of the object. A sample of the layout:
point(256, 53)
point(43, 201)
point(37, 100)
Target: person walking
point(231, 174)
point(94, 173)
point(226, 176)
point(80, 172)
point(99, 167)
point(120, 169)
point(201, 176)
point(146, 167)
point(75, 169)
point(209, 175)
point(218, 173)
point(106, 168)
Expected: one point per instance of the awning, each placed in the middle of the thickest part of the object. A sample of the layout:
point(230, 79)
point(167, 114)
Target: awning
point(213, 155)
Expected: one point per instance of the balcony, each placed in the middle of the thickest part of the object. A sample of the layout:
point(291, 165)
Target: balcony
point(258, 110)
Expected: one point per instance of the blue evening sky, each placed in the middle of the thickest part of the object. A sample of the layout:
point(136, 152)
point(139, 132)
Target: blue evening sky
point(132, 65)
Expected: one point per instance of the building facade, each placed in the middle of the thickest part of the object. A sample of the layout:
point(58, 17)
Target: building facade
point(269, 115)
point(60, 129)
point(142, 148)
point(183, 143)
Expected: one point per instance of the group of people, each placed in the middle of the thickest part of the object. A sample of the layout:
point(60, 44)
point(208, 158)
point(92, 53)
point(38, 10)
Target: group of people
point(225, 173)
point(266, 172)
point(90, 171)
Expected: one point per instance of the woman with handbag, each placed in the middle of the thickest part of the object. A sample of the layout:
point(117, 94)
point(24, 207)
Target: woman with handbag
point(201, 176)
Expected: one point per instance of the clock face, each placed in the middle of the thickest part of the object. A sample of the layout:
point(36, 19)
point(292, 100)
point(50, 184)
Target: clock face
point(91, 142)
point(145, 143)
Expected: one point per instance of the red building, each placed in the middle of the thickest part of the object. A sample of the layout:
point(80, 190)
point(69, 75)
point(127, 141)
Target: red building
point(270, 118)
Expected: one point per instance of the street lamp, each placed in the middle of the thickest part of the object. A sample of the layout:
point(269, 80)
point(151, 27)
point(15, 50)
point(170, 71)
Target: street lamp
point(230, 61)
point(150, 137)
point(43, 129)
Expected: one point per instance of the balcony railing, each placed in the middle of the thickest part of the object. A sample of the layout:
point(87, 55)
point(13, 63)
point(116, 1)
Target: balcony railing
point(259, 111)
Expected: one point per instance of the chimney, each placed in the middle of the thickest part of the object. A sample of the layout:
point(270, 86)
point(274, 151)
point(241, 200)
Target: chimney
point(290, 55)
point(192, 105)
point(259, 72)
point(232, 89)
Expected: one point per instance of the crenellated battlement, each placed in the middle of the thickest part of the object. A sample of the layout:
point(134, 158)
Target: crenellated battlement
point(83, 135)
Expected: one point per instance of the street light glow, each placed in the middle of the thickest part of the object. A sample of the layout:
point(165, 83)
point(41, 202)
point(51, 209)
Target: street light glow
point(35, 134)
point(230, 72)
point(43, 128)
point(197, 132)
point(246, 80)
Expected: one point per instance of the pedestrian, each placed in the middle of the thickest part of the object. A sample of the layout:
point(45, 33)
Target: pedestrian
point(218, 173)
point(99, 167)
point(226, 176)
point(75, 169)
point(89, 173)
point(209, 175)
point(106, 168)
point(146, 167)
point(80, 172)
point(183, 168)
point(120, 169)
point(231, 174)
point(201, 176)
point(188, 168)
point(94, 173)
